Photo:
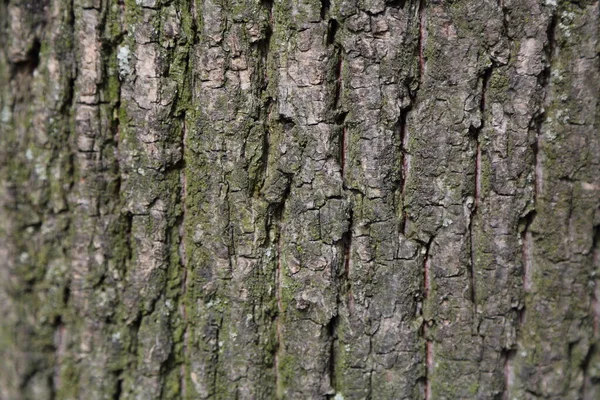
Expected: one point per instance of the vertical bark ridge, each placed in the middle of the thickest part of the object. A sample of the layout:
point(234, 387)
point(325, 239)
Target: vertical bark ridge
point(563, 204)
point(183, 260)
point(422, 37)
point(591, 389)
point(279, 350)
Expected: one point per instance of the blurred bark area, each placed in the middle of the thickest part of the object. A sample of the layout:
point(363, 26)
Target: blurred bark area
point(299, 199)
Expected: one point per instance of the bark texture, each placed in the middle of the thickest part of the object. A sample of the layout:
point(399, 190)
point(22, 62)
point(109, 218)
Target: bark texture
point(299, 199)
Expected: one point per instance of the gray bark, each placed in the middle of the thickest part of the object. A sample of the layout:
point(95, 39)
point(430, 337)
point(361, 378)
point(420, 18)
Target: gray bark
point(207, 199)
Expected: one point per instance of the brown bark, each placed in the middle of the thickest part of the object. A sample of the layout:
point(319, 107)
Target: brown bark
point(299, 199)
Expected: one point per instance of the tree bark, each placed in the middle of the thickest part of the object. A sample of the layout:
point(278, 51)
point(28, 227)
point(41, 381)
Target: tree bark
point(260, 199)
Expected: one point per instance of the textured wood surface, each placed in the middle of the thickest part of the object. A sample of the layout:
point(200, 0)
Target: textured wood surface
point(299, 199)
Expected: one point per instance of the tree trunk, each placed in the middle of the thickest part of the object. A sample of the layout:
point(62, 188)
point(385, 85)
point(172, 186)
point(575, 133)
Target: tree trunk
point(260, 199)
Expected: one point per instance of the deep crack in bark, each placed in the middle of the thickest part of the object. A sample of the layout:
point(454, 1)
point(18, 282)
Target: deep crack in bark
point(276, 218)
point(402, 133)
point(475, 134)
point(508, 355)
point(428, 344)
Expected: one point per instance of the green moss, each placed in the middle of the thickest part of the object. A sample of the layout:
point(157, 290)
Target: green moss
point(133, 12)
point(69, 379)
point(172, 386)
point(473, 388)
point(288, 372)
point(499, 85)
point(485, 175)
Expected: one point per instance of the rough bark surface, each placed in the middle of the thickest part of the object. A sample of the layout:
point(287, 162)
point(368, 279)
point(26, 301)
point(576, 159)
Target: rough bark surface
point(299, 199)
